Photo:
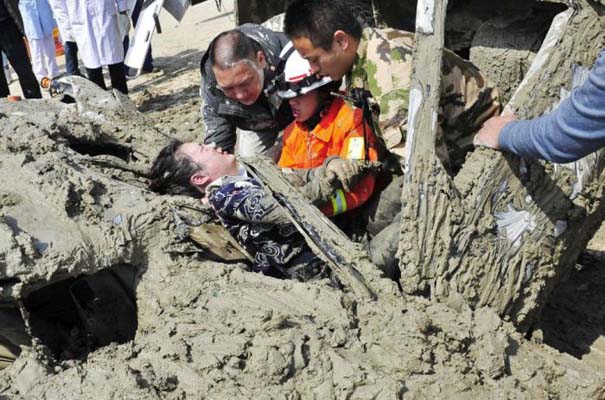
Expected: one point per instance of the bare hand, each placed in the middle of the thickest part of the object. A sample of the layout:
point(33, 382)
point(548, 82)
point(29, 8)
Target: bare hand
point(489, 134)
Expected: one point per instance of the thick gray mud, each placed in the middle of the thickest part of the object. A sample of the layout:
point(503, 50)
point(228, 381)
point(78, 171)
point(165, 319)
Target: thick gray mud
point(213, 330)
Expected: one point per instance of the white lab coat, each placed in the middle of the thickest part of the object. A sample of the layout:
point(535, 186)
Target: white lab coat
point(95, 25)
point(60, 12)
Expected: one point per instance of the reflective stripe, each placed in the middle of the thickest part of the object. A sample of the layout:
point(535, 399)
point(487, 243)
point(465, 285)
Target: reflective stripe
point(339, 202)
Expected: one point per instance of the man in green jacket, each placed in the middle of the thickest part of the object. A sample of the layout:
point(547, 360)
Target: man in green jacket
point(327, 34)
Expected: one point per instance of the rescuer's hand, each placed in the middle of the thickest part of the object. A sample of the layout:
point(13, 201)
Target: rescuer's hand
point(346, 171)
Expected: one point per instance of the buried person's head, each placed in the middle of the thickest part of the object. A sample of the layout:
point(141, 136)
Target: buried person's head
point(326, 33)
point(188, 168)
point(238, 66)
point(306, 91)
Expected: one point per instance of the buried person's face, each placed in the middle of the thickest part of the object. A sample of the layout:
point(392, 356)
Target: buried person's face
point(243, 82)
point(305, 106)
point(334, 63)
point(214, 163)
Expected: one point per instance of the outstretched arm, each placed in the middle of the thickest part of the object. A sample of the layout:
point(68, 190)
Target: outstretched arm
point(576, 128)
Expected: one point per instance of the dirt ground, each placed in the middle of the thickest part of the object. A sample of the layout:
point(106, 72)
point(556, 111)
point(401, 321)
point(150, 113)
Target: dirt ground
point(208, 330)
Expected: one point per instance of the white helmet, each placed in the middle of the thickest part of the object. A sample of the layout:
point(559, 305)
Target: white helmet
point(298, 78)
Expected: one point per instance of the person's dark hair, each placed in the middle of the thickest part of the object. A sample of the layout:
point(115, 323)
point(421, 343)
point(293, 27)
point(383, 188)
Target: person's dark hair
point(171, 172)
point(317, 20)
point(230, 48)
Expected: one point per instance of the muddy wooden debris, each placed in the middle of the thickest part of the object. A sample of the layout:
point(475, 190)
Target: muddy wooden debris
point(504, 231)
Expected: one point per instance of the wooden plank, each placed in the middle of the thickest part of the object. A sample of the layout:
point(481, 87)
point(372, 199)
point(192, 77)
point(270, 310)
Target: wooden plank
point(347, 260)
point(426, 81)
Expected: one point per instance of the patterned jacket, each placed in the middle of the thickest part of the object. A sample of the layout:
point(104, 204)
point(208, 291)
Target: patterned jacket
point(384, 67)
point(255, 220)
point(222, 115)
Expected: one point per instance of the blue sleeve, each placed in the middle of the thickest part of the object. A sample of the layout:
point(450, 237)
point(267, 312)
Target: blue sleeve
point(576, 128)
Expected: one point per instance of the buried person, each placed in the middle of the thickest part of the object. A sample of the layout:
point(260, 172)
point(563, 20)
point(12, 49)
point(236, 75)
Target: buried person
point(324, 154)
point(246, 210)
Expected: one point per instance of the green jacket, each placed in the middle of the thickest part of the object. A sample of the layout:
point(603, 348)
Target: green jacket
point(384, 67)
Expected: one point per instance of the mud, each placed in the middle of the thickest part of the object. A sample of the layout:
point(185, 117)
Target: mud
point(504, 48)
point(211, 330)
point(73, 202)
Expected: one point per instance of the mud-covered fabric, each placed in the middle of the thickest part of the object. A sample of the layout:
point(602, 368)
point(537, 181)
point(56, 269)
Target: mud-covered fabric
point(222, 116)
point(384, 67)
point(258, 223)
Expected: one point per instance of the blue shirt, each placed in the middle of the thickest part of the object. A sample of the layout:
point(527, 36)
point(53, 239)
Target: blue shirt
point(576, 128)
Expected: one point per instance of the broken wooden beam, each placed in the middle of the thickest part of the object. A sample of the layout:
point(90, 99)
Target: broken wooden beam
point(348, 261)
point(506, 230)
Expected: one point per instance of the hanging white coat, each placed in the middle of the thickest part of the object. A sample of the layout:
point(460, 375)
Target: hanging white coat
point(95, 24)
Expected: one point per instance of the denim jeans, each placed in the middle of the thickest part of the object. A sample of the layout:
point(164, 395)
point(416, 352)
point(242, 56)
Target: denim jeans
point(71, 58)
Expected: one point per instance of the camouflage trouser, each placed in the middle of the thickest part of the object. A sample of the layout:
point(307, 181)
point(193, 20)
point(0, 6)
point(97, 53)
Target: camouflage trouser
point(467, 101)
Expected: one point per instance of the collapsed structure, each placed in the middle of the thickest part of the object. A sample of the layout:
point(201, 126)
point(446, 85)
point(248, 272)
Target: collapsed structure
point(88, 257)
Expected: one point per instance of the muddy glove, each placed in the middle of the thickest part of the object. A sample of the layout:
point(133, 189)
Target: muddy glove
point(347, 171)
point(320, 188)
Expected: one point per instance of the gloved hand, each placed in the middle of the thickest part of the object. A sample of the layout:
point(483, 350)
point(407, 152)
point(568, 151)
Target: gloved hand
point(346, 171)
point(321, 186)
point(325, 182)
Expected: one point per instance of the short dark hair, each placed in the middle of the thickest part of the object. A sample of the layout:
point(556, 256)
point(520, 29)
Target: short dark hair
point(317, 20)
point(171, 172)
point(229, 48)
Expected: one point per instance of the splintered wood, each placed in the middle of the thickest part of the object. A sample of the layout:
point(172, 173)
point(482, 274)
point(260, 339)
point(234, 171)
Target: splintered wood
point(350, 264)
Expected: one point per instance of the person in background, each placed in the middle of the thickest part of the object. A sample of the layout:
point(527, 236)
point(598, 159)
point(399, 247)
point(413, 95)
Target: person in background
point(96, 27)
point(59, 9)
point(38, 23)
point(12, 44)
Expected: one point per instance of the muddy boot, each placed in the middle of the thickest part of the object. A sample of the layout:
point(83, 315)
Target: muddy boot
point(383, 248)
point(384, 206)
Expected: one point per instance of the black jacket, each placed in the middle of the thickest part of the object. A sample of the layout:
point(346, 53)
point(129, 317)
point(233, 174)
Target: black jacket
point(12, 6)
point(222, 116)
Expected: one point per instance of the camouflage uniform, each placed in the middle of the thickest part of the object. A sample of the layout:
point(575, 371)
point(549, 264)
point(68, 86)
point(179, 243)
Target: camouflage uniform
point(384, 67)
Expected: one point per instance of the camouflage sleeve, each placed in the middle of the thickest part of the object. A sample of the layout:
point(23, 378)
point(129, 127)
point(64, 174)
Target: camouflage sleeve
point(467, 101)
point(218, 129)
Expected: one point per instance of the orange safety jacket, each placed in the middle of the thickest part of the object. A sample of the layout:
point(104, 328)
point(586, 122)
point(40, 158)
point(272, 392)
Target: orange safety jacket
point(339, 133)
